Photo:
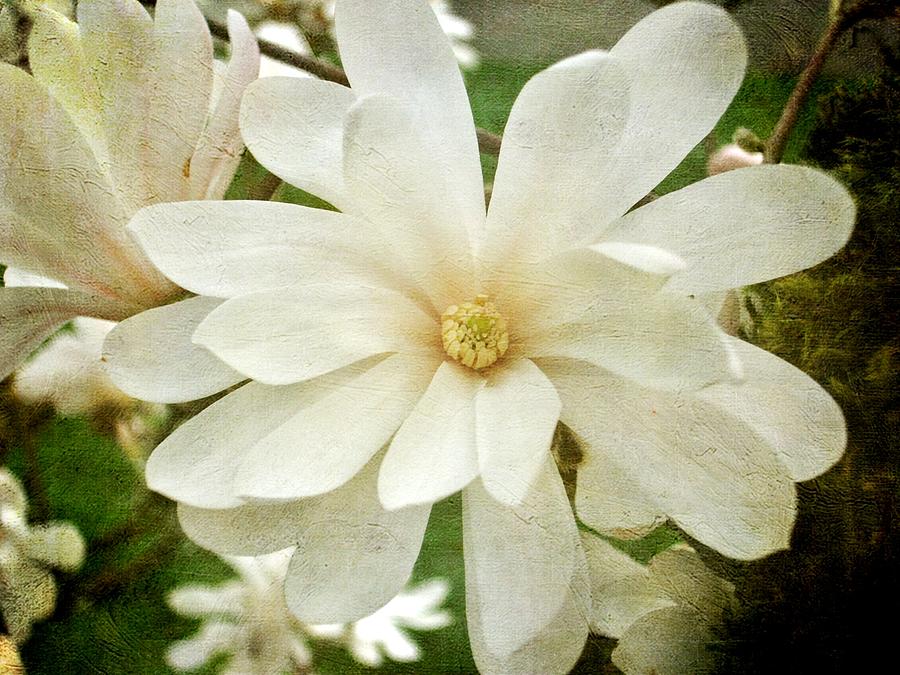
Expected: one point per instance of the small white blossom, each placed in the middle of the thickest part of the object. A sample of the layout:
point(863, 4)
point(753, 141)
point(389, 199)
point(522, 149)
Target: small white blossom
point(27, 554)
point(248, 621)
point(730, 157)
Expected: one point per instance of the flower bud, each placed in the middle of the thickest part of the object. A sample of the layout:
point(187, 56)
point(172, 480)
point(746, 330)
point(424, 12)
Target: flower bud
point(732, 156)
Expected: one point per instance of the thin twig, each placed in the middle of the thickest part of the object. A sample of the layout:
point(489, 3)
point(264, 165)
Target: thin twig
point(778, 140)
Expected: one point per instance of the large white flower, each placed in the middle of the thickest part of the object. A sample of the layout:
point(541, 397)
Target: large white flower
point(121, 111)
point(247, 620)
point(413, 345)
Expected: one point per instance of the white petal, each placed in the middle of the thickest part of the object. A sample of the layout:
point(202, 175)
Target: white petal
point(294, 127)
point(433, 453)
point(705, 468)
point(523, 563)
point(397, 47)
point(562, 129)
point(198, 462)
point(150, 356)
point(117, 36)
point(180, 84)
point(515, 417)
point(646, 257)
point(315, 450)
point(661, 340)
point(228, 248)
point(394, 183)
point(620, 587)
point(220, 146)
point(251, 529)
point(29, 315)
point(670, 641)
point(214, 637)
point(744, 226)
point(194, 600)
point(292, 334)
point(787, 408)
point(685, 63)
point(681, 574)
point(64, 201)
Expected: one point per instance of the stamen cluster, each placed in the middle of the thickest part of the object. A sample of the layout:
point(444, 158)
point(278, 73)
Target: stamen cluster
point(474, 333)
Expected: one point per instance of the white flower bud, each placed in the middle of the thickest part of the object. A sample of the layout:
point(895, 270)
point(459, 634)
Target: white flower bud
point(57, 545)
point(732, 156)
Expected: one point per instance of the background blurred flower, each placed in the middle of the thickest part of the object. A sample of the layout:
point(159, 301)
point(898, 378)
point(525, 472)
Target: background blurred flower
point(121, 111)
point(666, 616)
point(247, 620)
point(27, 589)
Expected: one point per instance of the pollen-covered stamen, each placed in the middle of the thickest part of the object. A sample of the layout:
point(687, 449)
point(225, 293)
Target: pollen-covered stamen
point(474, 333)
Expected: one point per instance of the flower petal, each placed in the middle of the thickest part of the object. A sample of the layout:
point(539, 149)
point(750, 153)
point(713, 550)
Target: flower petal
point(685, 63)
point(620, 588)
point(395, 184)
point(433, 453)
point(515, 417)
point(297, 333)
point(744, 226)
point(523, 563)
point(229, 248)
point(786, 407)
point(563, 127)
point(315, 450)
point(353, 556)
point(150, 356)
point(29, 315)
point(294, 127)
point(180, 84)
point(669, 641)
point(702, 466)
point(397, 47)
point(220, 146)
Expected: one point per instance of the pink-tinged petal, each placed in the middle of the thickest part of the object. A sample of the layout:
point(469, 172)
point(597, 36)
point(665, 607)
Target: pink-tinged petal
point(434, 452)
point(150, 356)
point(220, 146)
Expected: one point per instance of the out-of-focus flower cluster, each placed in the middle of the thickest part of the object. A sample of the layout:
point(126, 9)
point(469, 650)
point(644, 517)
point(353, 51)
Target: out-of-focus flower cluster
point(246, 620)
point(27, 556)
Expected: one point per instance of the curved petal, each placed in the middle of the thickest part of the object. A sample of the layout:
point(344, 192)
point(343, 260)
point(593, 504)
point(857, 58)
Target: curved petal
point(515, 417)
point(117, 36)
point(744, 226)
point(685, 63)
point(293, 334)
point(563, 126)
point(786, 407)
point(180, 79)
point(397, 47)
point(229, 248)
point(315, 450)
point(64, 196)
point(150, 356)
point(703, 467)
point(669, 641)
point(523, 564)
point(394, 183)
point(295, 128)
point(220, 146)
point(29, 315)
point(196, 464)
point(433, 453)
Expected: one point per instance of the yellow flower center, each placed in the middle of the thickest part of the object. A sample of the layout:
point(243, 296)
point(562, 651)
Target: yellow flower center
point(474, 333)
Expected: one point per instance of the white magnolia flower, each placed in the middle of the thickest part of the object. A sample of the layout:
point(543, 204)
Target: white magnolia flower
point(413, 345)
point(121, 111)
point(27, 554)
point(247, 620)
point(666, 616)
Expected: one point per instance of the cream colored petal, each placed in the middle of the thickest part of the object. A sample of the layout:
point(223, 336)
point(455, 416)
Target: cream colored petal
point(434, 453)
point(150, 356)
point(526, 578)
point(220, 146)
point(670, 641)
point(515, 417)
point(316, 450)
point(300, 332)
point(744, 226)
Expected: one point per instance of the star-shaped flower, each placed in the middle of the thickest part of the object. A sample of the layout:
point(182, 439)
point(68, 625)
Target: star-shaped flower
point(415, 344)
point(121, 110)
